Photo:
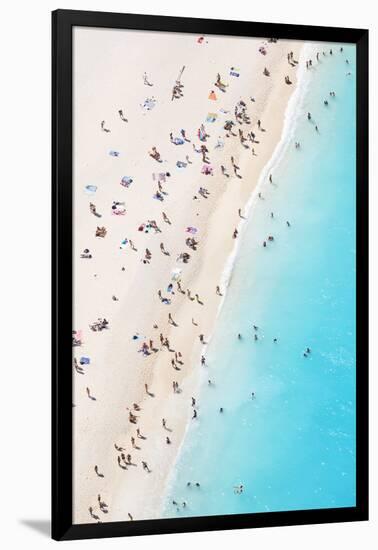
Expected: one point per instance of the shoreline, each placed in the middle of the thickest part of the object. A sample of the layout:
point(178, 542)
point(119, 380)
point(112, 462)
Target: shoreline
point(292, 109)
point(131, 494)
point(189, 464)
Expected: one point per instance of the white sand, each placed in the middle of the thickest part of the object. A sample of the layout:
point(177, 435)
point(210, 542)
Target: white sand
point(109, 65)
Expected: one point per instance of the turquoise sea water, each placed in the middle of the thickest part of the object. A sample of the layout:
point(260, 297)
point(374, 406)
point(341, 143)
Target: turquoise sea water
point(293, 445)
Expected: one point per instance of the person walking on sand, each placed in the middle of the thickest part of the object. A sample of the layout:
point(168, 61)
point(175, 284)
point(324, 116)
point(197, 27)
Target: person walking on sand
point(203, 360)
point(224, 171)
point(166, 219)
point(155, 154)
point(165, 252)
point(194, 414)
point(97, 472)
point(218, 292)
point(122, 116)
point(171, 321)
point(145, 80)
point(235, 234)
point(145, 466)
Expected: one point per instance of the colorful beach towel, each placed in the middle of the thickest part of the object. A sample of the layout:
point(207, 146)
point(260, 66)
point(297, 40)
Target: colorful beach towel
point(148, 104)
point(234, 71)
point(126, 181)
point(211, 117)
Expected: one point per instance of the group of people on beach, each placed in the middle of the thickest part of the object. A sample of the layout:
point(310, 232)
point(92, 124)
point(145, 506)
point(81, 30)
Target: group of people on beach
point(172, 294)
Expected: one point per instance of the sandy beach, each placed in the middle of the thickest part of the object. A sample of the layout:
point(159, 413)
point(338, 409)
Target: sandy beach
point(114, 283)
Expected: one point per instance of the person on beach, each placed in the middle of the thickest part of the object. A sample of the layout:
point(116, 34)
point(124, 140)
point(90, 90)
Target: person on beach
point(89, 394)
point(219, 84)
point(224, 171)
point(235, 234)
point(103, 127)
point(167, 440)
point(147, 390)
point(235, 167)
point(145, 466)
point(139, 435)
point(166, 219)
point(122, 117)
point(155, 154)
point(93, 515)
point(198, 300)
point(122, 466)
point(93, 210)
point(97, 472)
point(171, 321)
point(145, 80)
point(203, 360)
point(193, 401)
point(218, 292)
point(194, 414)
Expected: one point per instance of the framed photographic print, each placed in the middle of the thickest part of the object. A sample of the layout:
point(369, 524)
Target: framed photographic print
point(209, 276)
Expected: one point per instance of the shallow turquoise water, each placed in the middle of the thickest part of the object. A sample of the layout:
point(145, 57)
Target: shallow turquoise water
point(293, 445)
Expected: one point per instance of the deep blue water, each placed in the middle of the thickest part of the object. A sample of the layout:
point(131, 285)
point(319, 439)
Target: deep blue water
point(293, 445)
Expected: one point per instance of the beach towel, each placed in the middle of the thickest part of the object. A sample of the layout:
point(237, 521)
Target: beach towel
point(234, 72)
point(126, 181)
point(84, 361)
point(207, 169)
point(148, 104)
point(124, 243)
point(181, 164)
point(178, 141)
point(90, 189)
point(160, 177)
point(219, 144)
point(211, 117)
point(176, 274)
point(191, 230)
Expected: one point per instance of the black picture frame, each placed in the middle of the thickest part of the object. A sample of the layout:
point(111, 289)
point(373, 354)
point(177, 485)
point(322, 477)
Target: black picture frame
point(62, 23)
